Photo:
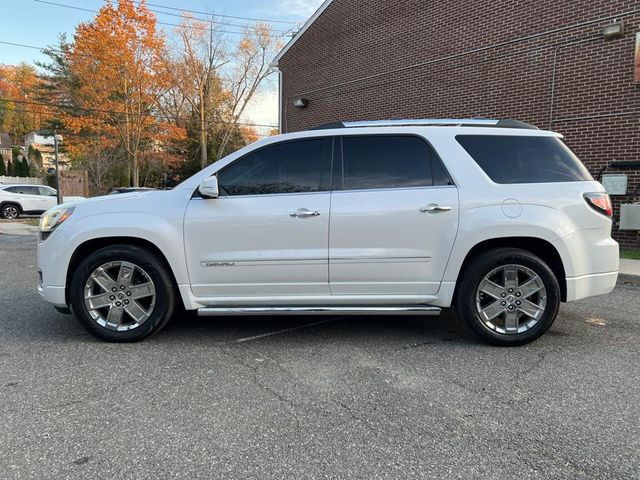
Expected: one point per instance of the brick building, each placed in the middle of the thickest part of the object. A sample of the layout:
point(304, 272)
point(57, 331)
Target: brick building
point(548, 63)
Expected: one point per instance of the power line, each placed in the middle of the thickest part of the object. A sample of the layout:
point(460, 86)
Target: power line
point(194, 27)
point(211, 15)
point(42, 49)
point(263, 135)
point(116, 112)
point(14, 44)
point(220, 15)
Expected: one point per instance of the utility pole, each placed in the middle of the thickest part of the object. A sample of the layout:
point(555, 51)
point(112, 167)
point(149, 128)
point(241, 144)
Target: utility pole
point(57, 138)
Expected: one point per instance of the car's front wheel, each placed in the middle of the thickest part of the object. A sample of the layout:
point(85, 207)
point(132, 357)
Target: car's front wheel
point(10, 212)
point(122, 293)
point(508, 296)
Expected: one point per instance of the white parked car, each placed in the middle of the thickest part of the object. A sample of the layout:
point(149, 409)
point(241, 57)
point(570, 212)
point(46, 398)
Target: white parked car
point(27, 199)
point(384, 218)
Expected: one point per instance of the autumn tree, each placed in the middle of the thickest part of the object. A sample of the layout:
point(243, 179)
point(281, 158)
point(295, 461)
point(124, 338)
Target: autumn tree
point(18, 86)
point(194, 70)
point(102, 162)
point(117, 60)
point(217, 79)
point(249, 67)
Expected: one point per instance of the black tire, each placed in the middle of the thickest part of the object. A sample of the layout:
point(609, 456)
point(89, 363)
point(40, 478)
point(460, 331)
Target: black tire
point(10, 211)
point(483, 265)
point(161, 310)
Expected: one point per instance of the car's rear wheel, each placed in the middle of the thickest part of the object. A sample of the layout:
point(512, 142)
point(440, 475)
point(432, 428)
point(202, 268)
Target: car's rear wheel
point(10, 212)
point(508, 296)
point(122, 293)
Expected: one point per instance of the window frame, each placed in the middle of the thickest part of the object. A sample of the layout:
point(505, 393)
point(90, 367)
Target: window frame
point(329, 139)
point(338, 159)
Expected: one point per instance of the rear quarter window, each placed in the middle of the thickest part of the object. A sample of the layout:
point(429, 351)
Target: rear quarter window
point(523, 159)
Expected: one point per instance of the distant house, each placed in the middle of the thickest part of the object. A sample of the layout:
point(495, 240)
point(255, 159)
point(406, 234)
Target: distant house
point(38, 140)
point(5, 146)
point(44, 143)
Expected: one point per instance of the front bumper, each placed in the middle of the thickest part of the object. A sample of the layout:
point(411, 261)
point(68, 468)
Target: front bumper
point(53, 256)
point(53, 294)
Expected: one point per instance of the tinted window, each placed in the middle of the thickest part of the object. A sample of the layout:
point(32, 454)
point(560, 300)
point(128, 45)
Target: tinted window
point(385, 161)
point(291, 167)
point(47, 191)
point(518, 159)
point(440, 175)
point(23, 190)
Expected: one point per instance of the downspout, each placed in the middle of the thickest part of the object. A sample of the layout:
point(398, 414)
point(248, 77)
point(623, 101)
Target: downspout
point(279, 100)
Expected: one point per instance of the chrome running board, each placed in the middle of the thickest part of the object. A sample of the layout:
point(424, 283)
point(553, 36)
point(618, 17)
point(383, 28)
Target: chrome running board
point(300, 310)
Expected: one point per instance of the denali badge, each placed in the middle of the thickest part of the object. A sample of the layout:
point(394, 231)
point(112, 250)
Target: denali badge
point(217, 264)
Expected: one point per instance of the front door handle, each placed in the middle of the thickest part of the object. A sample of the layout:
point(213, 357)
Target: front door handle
point(433, 208)
point(304, 213)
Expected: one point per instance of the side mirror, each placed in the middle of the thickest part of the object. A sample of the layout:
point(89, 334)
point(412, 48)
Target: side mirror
point(209, 187)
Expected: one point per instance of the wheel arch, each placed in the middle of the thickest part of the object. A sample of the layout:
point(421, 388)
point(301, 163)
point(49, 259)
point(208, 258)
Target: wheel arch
point(11, 202)
point(94, 244)
point(537, 246)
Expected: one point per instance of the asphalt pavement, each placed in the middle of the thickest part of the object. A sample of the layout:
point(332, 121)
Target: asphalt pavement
point(336, 397)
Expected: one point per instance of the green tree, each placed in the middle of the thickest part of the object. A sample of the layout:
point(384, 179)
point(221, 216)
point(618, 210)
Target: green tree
point(3, 170)
point(24, 167)
point(17, 168)
point(9, 168)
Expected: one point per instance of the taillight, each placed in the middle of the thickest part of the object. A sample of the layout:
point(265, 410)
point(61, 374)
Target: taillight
point(600, 202)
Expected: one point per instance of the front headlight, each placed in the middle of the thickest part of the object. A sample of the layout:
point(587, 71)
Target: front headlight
point(53, 218)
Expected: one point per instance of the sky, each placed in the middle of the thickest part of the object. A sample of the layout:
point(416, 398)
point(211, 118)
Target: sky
point(39, 24)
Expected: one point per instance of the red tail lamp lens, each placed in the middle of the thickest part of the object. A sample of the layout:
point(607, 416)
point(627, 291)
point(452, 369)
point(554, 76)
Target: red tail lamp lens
point(600, 202)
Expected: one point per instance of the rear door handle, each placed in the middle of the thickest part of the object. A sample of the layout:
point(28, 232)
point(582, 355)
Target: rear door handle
point(435, 209)
point(304, 213)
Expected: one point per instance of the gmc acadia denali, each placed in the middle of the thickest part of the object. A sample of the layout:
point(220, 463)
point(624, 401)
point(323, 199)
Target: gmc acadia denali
point(494, 217)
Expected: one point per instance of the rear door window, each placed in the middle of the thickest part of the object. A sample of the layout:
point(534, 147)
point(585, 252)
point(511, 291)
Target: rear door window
point(389, 161)
point(523, 159)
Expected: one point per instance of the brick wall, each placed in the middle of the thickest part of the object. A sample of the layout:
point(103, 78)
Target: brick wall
point(373, 59)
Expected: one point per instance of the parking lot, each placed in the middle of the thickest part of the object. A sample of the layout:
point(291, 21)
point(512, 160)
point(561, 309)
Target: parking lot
point(315, 397)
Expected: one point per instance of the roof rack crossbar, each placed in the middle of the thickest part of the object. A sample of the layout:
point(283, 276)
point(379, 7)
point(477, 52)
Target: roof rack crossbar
point(463, 122)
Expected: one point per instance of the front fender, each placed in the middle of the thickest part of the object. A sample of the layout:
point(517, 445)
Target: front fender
point(162, 232)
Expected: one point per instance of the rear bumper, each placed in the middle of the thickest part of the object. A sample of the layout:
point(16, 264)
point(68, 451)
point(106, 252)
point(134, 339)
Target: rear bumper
point(591, 262)
point(590, 285)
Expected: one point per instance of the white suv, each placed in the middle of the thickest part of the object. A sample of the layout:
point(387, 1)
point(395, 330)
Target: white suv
point(28, 199)
point(379, 218)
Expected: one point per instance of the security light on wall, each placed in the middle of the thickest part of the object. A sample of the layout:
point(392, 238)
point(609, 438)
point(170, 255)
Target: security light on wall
point(300, 102)
point(615, 30)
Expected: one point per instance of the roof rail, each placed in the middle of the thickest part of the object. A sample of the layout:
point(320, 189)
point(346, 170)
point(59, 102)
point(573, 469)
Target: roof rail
point(461, 122)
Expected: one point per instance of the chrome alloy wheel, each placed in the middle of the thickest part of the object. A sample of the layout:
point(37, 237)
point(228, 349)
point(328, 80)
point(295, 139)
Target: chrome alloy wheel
point(511, 299)
point(119, 296)
point(10, 212)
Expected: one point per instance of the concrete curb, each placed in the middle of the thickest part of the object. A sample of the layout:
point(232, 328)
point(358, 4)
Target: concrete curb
point(629, 267)
point(629, 279)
